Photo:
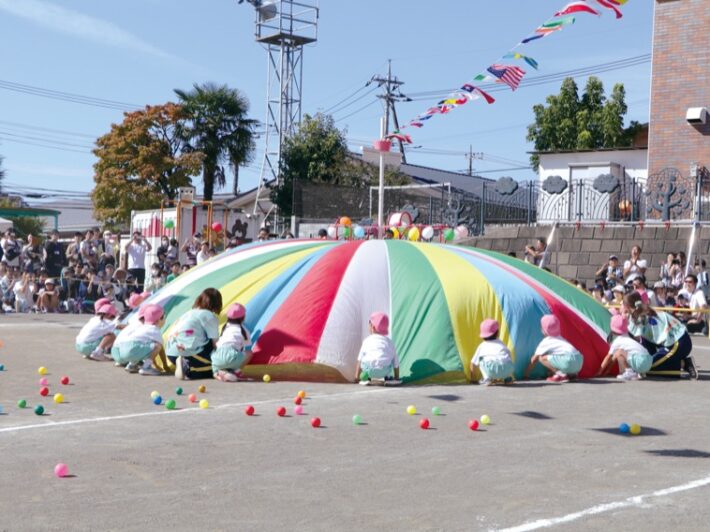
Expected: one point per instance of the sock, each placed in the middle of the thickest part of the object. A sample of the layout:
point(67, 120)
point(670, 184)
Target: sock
point(146, 363)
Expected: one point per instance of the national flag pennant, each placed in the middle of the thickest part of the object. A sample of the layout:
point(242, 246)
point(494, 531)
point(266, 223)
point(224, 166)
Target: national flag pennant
point(416, 124)
point(472, 89)
point(397, 135)
point(529, 60)
point(510, 75)
point(611, 4)
point(577, 7)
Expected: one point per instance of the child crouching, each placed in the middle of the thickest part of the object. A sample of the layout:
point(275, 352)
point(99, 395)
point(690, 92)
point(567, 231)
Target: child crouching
point(232, 352)
point(560, 357)
point(141, 342)
point(492, 356)
point(634, 359)
point(378, 356)
point(97, 335)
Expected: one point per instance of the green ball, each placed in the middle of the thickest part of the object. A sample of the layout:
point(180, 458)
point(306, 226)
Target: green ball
point(170, 404)
point(21, 403)
point(357, 419)
point(178, 390)
point(436, 411)
point(448, 234)
point(169, 224)
point(39, 410)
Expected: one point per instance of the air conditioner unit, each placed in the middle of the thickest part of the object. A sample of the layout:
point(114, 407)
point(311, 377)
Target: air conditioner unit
point(697, 116)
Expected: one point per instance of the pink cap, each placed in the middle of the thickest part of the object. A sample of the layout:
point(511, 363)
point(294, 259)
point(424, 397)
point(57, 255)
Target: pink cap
point(236, 311)
point(134, 300)
point(644, 296)
point(550, 325)
point(152, 314)
point(380, 322)
point(141, 310)
point(619, 325)
point(108, 309)
point(100, 303)
point(488, 328)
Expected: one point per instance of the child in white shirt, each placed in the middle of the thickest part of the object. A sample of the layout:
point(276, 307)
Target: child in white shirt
point(378, 356)
point(634, 359)
point(560, 357)
point(492, 357)
point(232, 352)
point(97, 336)
point(143, 342)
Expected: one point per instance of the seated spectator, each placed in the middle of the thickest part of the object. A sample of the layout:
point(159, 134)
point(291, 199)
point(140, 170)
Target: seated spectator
point(184, 268)
point(663, 299)
point(263, 234)
point(535, 254)
point(48, 297)
point(635, 266)
point(156, 280)
point(174, 272)
point(162, 251)
point(618, 293)
point(22, 290)
point(639, 284)
point(7, 283)
point(696, 321)
point(611, 271)
point(665, 273)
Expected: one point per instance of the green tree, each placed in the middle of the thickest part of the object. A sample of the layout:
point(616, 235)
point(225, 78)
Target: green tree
point(569, 122)
point(318, 153)
point(218, 127)
point(141, 161)
point(24, 226)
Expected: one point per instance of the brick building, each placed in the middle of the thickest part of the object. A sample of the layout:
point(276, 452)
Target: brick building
point(680, 80)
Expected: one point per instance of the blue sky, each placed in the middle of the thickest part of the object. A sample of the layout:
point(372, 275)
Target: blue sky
point(138, 51)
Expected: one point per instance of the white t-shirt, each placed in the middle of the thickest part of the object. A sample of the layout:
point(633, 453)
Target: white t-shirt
point(491, 350)
point(378, 351)
point(125, 334)
point(147, 333)
point(136, 255)
point(554, 345)
point(631, 346)
point(697, 300)
point(232, 337)
point(202, 257)
point(635, 270)
point(95, 329)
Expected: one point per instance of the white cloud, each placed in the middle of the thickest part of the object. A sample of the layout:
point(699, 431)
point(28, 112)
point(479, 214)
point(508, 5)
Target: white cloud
point(64, 20)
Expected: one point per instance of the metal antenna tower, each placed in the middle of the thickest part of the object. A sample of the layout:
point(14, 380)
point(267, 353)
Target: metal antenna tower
point(283, 27)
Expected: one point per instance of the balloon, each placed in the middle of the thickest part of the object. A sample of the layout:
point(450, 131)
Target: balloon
point(411, 410)
point(436, 411)
point(345, 221)
point(64, 380)
point(624, 428)
point(170, 404)
point(168, 224)
point(249, 410)
point(395, 233)
point(428, 232)
point(346, 232)
point(204, 403)
point(359, 232)
point(357, 419)
point(414, 234)
point(1, 409)
point(2, 367)
point(315, 422)
point(448, 234)
point(21, 403)
point(202, 388)
point(331, 232)
point(460, 232)
point(485, 419)
point(301, 394)
point(266, 378)
point(58, 398)
point(216, 227)
point(42, 370)
point(61, 470)
point(298, 410)
point(424, 423)
point(281, 411)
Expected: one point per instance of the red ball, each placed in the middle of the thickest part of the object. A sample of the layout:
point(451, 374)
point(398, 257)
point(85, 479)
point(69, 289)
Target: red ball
point(249, 410)
point(44, 391)
point(192, 398)
point(64, 380)
point(281, 411)
point(424, 423)
point(315, 422)
point(473, 424)
point(217, 227)
point(297, 401)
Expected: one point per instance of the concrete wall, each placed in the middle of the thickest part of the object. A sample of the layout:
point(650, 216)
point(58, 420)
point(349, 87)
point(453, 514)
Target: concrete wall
point(577, 254)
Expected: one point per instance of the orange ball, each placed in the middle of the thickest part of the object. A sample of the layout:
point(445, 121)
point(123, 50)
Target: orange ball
point(301, 394)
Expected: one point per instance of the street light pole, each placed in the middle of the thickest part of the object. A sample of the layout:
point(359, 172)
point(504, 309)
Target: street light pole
point(381, 189)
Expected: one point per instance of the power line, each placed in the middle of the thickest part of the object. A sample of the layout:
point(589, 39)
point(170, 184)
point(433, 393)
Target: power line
point(17, 125)
point(356, 111)
point(345, 99)
point(354, 101)
point(67, 96)
point(15, 141)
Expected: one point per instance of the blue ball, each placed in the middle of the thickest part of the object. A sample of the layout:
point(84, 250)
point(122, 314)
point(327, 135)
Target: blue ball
point(2, 367)
point(1, 409)
point(624, 428)
point(157, 399)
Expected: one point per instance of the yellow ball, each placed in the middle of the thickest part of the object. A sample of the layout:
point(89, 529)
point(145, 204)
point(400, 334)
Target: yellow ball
point(485, 419)
point(42, 370)
point(267, 378)
point(301, 394)
point(58, 398)
point(411, 410)
point(154, 394)
point(204, 403)
point(635, 429)
point(202, 388)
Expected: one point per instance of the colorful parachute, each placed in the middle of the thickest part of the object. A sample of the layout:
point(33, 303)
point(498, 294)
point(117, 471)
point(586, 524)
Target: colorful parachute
point(308, 304)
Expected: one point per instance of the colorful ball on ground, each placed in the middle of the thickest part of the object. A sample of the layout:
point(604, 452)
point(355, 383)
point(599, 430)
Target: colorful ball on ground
point(64, 380)
point(315, 422)
point(58, 398)
point(1, 409)
point(39, 410)
point(436, 411)
point(635, 429)
point(301, 394)
point(424, 423)
point(448, 234)
point(170, 404)
point(44, 381)
point(624, 428)
point(154, 394)
point(2, 367)
point(297, 400)
point(192, 398)
point(202, 388)
point(298, 410)
point(266, 378)
point(281, 411)
point(357, 419)
point(168, 224)
point(204, 403)
point(411, 410)
point(44, 391)
point(249, 410)
point(21, 403)
point(157, 400)
point(217, 227)
point(485, 419)
point(42, 370)
point(61, 470)
point(473, 424)
point(178, 390)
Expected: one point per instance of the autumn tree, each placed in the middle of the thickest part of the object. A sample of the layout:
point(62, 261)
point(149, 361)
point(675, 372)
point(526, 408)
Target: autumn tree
point(141, 161)
point(589, 122)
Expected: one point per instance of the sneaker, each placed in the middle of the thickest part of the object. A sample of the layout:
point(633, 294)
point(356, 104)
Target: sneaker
point(364, 382)
point(225, 376)
point(690, 367)
point(99, 356)
point(485, 382)
point(553, 378)
point(240, 375)
point(149, 371)
point(132, 367)
point(628, 375)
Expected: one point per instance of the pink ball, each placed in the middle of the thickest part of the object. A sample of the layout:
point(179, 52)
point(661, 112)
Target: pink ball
point(44, 381)
point(298, 410)
point(61, 470)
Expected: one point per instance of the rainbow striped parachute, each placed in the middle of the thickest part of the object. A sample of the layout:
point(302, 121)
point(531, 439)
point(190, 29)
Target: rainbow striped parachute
point(308, 304)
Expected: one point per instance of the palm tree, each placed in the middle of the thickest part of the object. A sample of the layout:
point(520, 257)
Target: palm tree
point(219, 128)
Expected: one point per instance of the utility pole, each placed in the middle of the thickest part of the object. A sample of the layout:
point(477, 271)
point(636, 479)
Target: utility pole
point(471, 156)
point(391, 95)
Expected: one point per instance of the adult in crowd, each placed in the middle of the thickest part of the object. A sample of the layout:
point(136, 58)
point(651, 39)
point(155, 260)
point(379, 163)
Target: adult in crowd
point(23, 290)
point(53, 254)
point(536, 254)
point(635, 266)
point(702, 275)
point(31, 255)
point(263, 234)
point(663, 299)
point(107, 248)
point(191, 248)
point(11, 248)
point(611, 271)
point(204, 253)
point(162, 251)
point(136, 250)
point(89, 253)
point(74, 249)
point(695, 321)
point(173, 254)
point(639, 285)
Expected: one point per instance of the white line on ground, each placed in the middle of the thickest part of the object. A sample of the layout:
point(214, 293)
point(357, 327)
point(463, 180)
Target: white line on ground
point(55, 424)
point(607, 507)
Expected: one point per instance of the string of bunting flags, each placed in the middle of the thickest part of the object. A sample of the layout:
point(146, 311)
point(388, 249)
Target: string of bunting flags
point(503, 71)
